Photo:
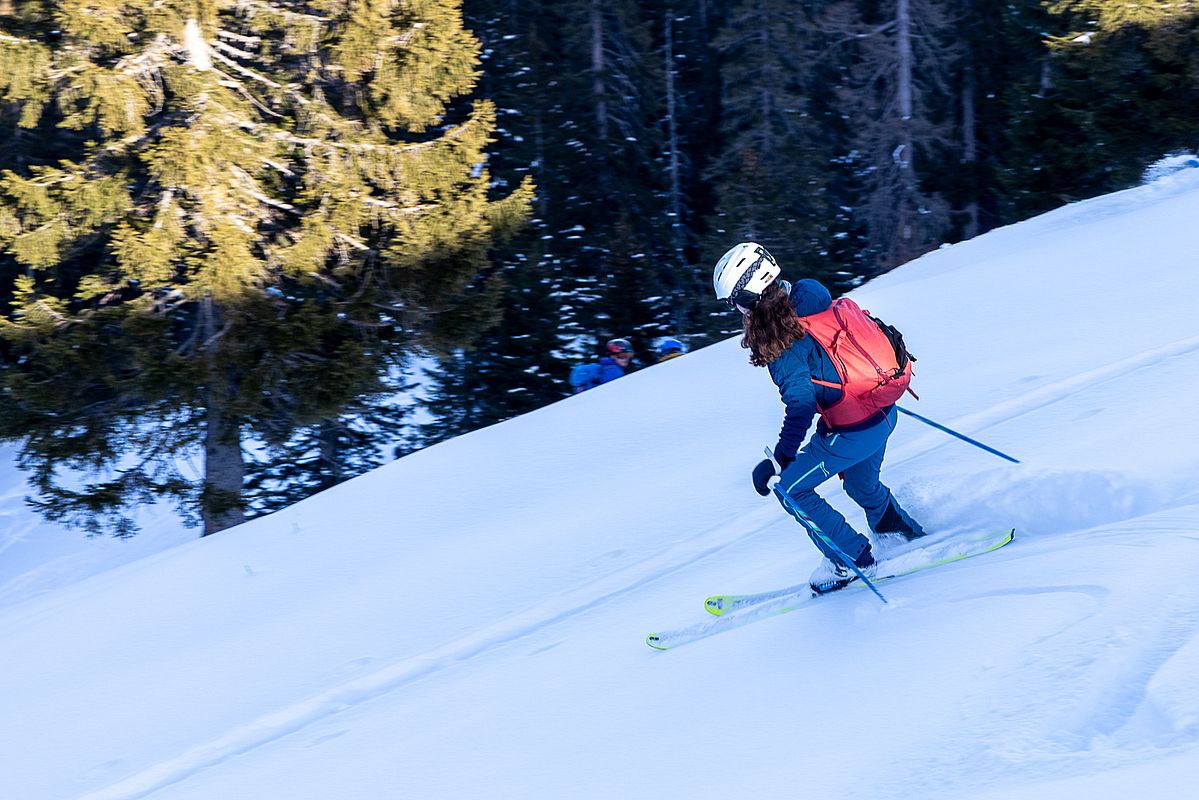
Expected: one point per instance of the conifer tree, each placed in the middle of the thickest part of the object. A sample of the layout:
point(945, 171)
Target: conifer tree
point(691, 107)
point(897, 95)
point(774, 168)
point(1114, 91)
point(1111, 15)
point(1130, 71)
point(582, 93)
point(517, 364)
point(611, 212)
point(993, 55)
point(255, 209)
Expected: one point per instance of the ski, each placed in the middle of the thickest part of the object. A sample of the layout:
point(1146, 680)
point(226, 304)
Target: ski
point(919, 556)
point(763, 605)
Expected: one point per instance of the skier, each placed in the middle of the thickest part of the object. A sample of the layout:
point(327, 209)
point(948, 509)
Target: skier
point(777, 336)
point(609, 368)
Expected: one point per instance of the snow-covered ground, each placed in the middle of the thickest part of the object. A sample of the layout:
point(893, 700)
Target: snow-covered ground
point(469, 621)
point(37, 556)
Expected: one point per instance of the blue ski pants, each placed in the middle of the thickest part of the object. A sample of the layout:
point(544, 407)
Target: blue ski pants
point(858, 456)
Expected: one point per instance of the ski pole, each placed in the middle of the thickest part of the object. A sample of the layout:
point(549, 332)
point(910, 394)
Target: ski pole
point(845, 559)
point(963, 437)
point(812, 526)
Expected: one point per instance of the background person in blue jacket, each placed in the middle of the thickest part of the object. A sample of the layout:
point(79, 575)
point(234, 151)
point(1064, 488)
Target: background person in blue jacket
point(746, 278)
point(608, 368)
point(620, 353)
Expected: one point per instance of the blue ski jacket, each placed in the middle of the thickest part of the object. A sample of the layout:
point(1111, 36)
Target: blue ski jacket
point(793, 371)
point(609, 370)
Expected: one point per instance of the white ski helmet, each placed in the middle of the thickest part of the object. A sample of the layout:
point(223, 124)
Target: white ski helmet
point(743, 273)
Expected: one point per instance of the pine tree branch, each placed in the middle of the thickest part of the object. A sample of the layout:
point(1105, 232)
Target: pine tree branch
point(231, 50)
point(4, 37)
point(122, 145)
point(249, 73)
point(161, 46)
point(356, 147)
point(242, 224)
point(216, 337)
point(354, 243)
point(55, 315)
point(277, 166)
point(163, 203)
point(402, 40)
point(232, 83)
point(250, 187)
point(294, 16)
point(214, 49)
point(255, 40)
point(56, 75)
point(853, 37)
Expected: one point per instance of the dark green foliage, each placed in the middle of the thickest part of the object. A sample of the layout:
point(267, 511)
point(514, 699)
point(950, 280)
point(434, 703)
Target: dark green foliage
point(778, 178)
point(228, 223)
point(187, 244)
point(784, 131)
point(1108, 101)
point(581, 92)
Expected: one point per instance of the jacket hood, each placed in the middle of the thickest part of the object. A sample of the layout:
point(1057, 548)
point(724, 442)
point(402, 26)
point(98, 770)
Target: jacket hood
point(810, 297)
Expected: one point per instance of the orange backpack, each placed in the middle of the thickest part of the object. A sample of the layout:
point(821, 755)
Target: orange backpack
point(874, 366)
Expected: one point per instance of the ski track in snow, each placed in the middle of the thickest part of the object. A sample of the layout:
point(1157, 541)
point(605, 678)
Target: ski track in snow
point(1117, 664)
point(1084, 725)
point(291, 719)
point(1055, 392)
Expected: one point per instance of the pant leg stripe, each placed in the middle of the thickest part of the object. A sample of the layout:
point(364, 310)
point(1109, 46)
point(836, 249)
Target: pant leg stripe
point(799, 480)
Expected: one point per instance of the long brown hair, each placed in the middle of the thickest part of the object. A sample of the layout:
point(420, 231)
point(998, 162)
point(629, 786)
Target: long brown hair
point(771, 326)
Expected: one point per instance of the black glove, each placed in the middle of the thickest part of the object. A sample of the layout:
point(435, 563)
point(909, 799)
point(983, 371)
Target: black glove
point(763, 473)
point(784, 461)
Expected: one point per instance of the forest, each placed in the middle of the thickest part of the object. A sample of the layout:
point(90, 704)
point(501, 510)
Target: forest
point(848, 137)
point(287, 240)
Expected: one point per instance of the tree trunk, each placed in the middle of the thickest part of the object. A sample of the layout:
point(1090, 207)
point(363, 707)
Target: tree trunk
point(330, 447)
point(597, 69)
point(224, 471)
point(903, 151)
point(542, 163)
point(224, 468)
point(765, 98)
point(677, 230)
point(676, 192)
point(970, 151)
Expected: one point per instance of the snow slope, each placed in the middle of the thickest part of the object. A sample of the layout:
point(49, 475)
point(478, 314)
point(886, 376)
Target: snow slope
point(468, 621)
point(37, 556)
